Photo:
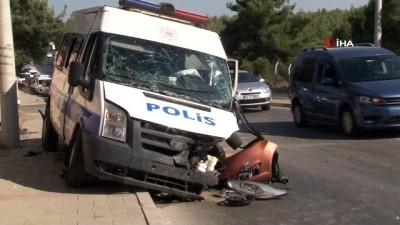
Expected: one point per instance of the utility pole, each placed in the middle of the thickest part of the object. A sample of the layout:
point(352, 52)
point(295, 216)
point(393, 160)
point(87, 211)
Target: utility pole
point(8, 87)
point(378, 23)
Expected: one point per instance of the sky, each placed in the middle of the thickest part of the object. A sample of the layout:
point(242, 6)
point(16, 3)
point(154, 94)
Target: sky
point(207, 7)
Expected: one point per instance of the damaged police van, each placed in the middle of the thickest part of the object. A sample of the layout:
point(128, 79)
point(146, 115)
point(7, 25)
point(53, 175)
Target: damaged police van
point(140, 95)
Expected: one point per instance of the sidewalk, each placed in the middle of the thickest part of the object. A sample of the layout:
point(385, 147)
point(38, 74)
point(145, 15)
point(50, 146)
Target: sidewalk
point(33, 191)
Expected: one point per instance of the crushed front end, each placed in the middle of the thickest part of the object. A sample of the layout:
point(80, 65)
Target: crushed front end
point(155, 157)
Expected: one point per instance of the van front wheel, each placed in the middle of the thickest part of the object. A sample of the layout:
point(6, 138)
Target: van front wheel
point(76, 175)
point(298, 116)
point(349, 126)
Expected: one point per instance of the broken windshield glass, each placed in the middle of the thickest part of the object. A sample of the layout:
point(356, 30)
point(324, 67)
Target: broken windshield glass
point(167, 69)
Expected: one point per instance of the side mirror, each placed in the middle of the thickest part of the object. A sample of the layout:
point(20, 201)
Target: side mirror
point(262, 80)
point(76, 74)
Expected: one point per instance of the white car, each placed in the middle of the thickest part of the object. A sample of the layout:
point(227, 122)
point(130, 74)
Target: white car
point(41, 85)
point(252, 92)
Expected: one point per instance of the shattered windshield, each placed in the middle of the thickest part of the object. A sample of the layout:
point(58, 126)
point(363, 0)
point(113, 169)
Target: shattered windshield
point(166, 69)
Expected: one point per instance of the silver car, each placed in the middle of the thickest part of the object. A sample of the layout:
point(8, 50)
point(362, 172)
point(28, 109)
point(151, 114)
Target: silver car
point(251, 91)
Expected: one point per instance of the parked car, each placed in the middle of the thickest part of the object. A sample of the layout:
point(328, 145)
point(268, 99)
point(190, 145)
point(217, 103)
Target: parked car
point(41, 85)
point(355, 88)
point(252, 92)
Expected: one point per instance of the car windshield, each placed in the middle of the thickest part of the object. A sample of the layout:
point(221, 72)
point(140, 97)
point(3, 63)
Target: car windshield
point(371, 68)
point(245, 77)
point(166, 69)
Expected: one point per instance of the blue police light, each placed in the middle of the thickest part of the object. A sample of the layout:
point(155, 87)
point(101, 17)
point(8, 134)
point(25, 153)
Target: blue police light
point(164, 8)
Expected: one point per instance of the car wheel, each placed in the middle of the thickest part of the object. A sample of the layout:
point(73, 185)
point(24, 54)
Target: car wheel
point(265, 107)
point(76, 175)
point(349, 126)
point(298, 116)
point(49, 135)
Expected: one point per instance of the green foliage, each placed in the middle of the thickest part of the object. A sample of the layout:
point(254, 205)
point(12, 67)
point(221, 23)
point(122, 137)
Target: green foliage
point(34, 27)
point(390, 23)
point(268, 31)
point(218, 23)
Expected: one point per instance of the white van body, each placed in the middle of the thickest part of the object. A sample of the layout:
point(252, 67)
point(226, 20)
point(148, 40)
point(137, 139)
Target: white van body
point(129, 120)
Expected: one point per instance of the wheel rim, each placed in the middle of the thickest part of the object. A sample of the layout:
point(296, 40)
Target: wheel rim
point(347, 122)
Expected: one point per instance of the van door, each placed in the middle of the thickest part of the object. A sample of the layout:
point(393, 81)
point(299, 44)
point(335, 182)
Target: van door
point(301, 85)
point(69, 51)
point(325, 92)
point(59, 88)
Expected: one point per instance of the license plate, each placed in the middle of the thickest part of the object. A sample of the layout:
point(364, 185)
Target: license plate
point(250, 96)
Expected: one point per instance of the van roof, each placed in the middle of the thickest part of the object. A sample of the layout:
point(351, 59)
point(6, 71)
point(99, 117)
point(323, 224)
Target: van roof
point(349, 52)
point(125, 22)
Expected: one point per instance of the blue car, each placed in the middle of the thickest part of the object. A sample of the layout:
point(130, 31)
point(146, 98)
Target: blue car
point(356, 88)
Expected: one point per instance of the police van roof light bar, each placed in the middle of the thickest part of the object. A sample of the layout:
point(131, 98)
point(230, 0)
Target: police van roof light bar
point(165, 9)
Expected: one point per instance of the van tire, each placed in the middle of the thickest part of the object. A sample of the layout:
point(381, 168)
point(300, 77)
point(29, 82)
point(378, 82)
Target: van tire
point(348, 123)
point(298, 116)
point(76, 175)
point(49, 135)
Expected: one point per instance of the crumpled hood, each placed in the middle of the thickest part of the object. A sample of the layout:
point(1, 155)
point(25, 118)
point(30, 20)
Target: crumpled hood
point(170, 112)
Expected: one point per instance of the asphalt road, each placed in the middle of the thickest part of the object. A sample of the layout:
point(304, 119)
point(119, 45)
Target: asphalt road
point(333, 180)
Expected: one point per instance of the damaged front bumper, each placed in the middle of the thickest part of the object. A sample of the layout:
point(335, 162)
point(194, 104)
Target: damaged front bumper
point(138, 164)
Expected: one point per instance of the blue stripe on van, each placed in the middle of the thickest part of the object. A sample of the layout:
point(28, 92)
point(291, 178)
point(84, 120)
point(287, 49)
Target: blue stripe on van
point(88, 120)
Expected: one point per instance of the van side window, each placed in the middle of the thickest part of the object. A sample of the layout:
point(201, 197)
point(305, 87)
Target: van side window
point(326, 70)
point(304, 70)
point(75, 51)
point(91, 63)
point(70, 49)
point(63, 50)
point(89, 58)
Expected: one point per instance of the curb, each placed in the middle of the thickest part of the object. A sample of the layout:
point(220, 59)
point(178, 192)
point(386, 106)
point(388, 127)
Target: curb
point(150, 211)
point(281, 104)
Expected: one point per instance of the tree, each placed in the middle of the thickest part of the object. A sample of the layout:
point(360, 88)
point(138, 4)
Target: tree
point(218, 23)
point(34, 27)
point(390, 23)
point(257, 33)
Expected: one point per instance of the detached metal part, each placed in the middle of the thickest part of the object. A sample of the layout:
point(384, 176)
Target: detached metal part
point(256, 162)
point(256, 190)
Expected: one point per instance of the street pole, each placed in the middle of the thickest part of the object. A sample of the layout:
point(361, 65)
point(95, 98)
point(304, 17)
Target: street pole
point(8, 86)
point(378, 23)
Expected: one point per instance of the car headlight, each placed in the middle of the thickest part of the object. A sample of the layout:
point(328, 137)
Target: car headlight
point(266, 90)
point(370, 100)
point(114, 123)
